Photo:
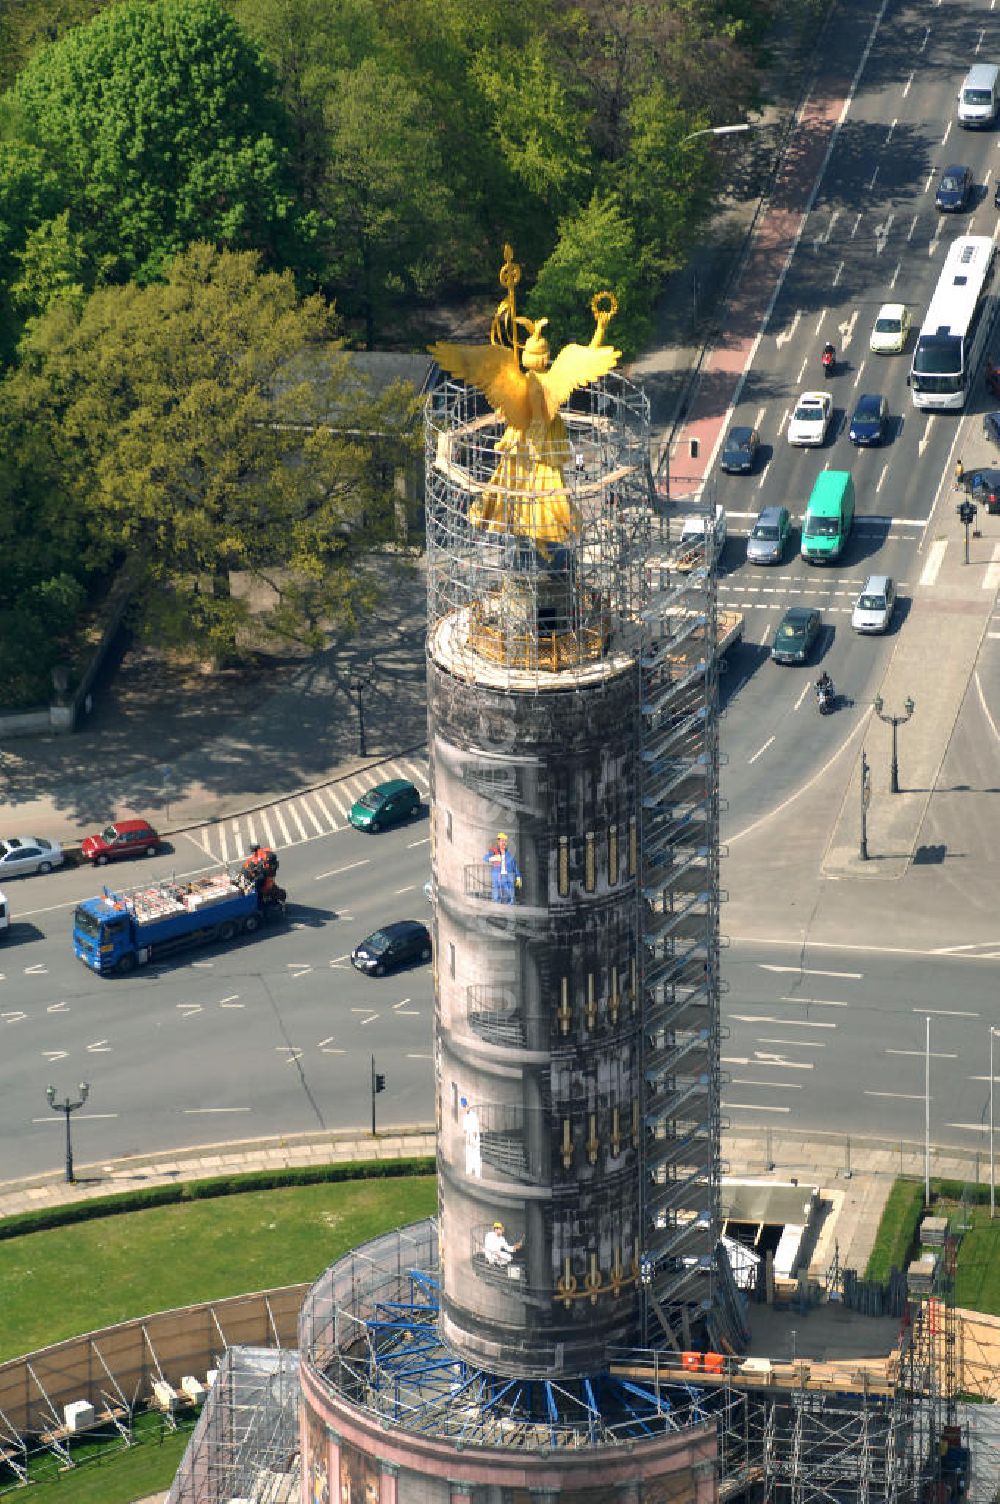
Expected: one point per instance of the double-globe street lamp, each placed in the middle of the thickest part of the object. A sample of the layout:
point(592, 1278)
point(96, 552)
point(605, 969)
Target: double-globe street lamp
point(68, 1106)
point(894, 721)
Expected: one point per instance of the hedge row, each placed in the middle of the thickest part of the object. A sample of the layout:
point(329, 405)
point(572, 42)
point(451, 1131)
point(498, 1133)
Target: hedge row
point(195, 1190)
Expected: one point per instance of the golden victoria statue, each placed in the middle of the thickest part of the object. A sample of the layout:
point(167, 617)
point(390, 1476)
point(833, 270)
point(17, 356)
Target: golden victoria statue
point(527, 494)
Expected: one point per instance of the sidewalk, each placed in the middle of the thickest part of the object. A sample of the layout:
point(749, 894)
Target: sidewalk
point(855, 1174)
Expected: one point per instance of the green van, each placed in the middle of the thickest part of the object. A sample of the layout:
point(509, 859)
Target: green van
point(826, 526)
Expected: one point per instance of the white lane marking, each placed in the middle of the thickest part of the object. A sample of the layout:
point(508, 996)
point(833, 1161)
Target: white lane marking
point(420, 1057)
point(847, 329)
point(892, 279)
point(805, 690)
point(402, 1004)
point(188, 1009)
point(38, 970)
point(986, 709)
point(410, 889)
point(815, 1002)
point(294, 814)
point(935, 558)
point(223, 845)
point(802, 370)
point(979, 43)
point(786, 334)
point(881, 479)
point(285, 832)
point(369, 1020)
point(857, 224)
point(991, 578)
point(336, 871)
point(947, 1012)
point(99, 1047)
point(758, 420)
point(819, 321)
point(921, 1054)
point(947, 132)
point(307, 810)
point(771, 1085)
point(321, 797)
point(52, 1056)
point(853, 976)
point(891, 129)
point(767, 1018)
point(290, 1051)
point(424, 841)
point(760, 751)
point(780, 1063)
point(57, 1008)
point(857, 379)
point(871, 181)
point(798, 1044)
point(838, 273)
point(237, 837)
point(906, 86)
point(341, 805)
point(930, 178)
point(899, 1096)
point(752, 1107)
point(913, 226)
point(195, 1111)
point(268, 832)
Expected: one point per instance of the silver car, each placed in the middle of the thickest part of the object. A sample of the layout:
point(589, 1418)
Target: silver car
point(21, 855)
point(874, 606)
point(769, 536)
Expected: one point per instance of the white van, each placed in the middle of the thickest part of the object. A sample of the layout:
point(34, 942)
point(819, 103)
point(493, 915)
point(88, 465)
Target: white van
point(979, 96)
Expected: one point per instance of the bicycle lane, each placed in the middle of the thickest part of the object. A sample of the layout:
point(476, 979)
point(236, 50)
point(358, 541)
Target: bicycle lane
point(748, 308)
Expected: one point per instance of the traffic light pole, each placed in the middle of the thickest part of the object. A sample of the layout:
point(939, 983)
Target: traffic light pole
point(378, 1084)
point(866, 793)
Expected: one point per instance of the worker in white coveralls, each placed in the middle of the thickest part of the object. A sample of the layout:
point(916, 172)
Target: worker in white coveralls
point(496, 1249)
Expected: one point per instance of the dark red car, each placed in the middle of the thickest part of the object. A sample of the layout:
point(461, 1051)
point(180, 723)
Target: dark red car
point(120, 838)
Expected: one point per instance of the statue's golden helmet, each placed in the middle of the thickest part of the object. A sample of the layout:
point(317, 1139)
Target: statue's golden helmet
point(535, 350)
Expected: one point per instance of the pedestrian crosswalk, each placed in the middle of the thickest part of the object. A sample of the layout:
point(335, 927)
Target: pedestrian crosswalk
point(305, 816)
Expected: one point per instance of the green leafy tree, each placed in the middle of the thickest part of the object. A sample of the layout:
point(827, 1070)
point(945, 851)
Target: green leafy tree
point(196, 428)
point(29, 196)
point(385, 204)
point(541, 135)
point(52, 265)
point(160, 120)
point(597, 249)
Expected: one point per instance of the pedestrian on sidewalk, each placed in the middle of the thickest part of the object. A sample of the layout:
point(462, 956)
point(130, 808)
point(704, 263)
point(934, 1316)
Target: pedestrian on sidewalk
point(959, 475)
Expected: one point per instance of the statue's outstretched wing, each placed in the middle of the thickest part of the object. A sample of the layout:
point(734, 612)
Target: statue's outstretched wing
point(495, 370)
point(575, 366)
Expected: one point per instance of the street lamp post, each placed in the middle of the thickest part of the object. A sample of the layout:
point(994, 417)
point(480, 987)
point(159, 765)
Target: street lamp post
point(359, 683)
point(68, 1106)
point(894, 721)
point(866, 794)
point(993, 1182)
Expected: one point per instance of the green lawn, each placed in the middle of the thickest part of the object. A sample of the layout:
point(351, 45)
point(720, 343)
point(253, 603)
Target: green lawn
point(977, 1279)
point(116, 1475)
point(192, 1251)
point(897, 1230)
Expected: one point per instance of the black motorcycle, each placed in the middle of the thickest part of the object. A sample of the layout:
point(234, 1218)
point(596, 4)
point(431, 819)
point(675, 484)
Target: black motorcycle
point(829, 360)
point(825, 695)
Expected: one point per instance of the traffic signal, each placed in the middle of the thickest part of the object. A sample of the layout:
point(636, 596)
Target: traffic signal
point(966, 512)
point(379, 1081)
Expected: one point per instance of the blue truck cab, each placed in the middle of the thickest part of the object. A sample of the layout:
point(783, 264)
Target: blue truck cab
point(116, 932)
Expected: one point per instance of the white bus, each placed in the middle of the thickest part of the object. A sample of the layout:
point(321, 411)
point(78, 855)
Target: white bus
point(954, 332)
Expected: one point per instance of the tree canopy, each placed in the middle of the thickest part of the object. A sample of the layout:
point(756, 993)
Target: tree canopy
point(193, 428)
point(161, 124)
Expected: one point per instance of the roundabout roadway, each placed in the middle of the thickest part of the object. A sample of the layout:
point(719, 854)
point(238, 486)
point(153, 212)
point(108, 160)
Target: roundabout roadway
point(271, 1035)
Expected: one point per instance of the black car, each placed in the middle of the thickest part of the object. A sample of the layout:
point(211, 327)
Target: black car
point(954, 190)
point(984, 489)
point(739, 454)
point(392, 946)
point(868, 423)
point(991, 428)
point(797, 631)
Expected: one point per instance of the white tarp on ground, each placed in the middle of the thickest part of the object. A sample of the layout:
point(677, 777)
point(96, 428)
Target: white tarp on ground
point(982, 1425)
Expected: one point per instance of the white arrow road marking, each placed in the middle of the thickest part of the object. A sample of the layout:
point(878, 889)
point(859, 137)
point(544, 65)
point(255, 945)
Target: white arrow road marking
point(767, 1057)
point(99, 1047)
point(882, 234)
point(369, 1020)
point(14, 1017)
point(400, 1004)
point(57, 1008)
point(53, 1055)
point(38, 970)
point(846, 329)
point(188, 1008)
point(786, 334)
point(231, 1002)
point(327, 1046)
point(291, 1051)
point(301, 971)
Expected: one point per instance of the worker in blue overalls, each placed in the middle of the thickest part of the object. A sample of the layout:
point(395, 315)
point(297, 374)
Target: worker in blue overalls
point(504, 870)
